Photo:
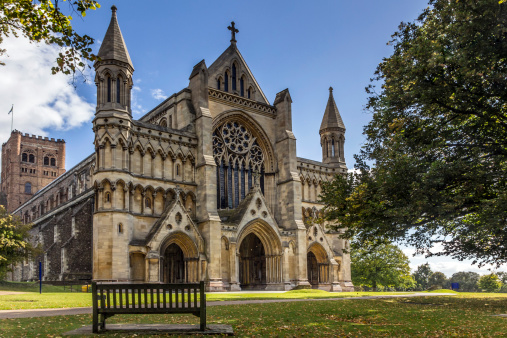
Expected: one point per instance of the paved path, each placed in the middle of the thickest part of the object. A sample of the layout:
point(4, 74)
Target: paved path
point(5, 314)
point(3, 293)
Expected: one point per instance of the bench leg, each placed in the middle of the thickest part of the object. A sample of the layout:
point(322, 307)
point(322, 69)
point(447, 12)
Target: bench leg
point(203, 319)
point(103, 323)
point(95, 322)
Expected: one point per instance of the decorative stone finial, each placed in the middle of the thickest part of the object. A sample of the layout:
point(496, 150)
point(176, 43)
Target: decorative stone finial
point(177, 191)
point(257, 178)
point(233, 32)
point(113, 9)
point(330, 89)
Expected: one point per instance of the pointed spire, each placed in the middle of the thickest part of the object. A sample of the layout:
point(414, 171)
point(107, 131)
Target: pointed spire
point(332, 118)
point(113, 46)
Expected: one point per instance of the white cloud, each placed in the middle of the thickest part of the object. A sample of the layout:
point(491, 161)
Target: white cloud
point(137, 108)
point(41, 100)
point(158, 94)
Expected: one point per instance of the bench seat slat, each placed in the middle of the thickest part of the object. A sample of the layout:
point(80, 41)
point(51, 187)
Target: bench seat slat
point(149, 310)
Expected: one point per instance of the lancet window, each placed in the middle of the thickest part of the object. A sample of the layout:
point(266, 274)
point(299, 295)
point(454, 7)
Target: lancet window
point(108, 89)
point(226, 82)
point(233, 77)
point(118, 81)
point(240, 162)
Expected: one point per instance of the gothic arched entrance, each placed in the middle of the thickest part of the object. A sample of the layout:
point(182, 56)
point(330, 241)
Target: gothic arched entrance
point(317, 265)
point(179, 259)
point(312, 268)
point(174, 265)
point(252, 263)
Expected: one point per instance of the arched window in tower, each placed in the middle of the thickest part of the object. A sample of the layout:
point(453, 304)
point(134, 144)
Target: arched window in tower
point(108, 89)
point(46, 160)
point(108, 197)
point(53, 162)
point(242, 86)
point(177, 170)
point(233, 76)
point(249, 92)
point(240, 163)
point(31, 158)
point(28, 188)
point(147, 203)
point(332, 148)
point(226, 82)
point(163, 123)
point(118, 83)
point(24, 157)
point(218, 83)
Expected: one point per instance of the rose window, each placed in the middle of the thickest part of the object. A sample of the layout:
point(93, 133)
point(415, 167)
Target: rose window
point(239, 160)
point(236, 137)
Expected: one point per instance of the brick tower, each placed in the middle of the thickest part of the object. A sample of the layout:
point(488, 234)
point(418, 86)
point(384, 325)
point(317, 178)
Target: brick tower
point(29, 163)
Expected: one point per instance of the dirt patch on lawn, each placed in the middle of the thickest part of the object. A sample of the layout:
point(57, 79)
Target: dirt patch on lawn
point(4, 293)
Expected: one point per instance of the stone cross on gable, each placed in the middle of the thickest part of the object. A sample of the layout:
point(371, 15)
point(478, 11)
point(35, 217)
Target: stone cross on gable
point(233, 32)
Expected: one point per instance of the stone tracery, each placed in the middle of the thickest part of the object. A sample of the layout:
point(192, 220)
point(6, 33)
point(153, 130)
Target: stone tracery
point(238, 156)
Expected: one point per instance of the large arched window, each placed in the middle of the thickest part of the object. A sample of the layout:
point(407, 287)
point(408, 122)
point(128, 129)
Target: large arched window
point(53, 162)
point(24, 157)
point(28, 188)
point(240, 162)
point(226, 82)
point(242, 86)
point(31, 158)
point(46, 160)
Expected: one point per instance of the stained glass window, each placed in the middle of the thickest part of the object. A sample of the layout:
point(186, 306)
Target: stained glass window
point(238, 156)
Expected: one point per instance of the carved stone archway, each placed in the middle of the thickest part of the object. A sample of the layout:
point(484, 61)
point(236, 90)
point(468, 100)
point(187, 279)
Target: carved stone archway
point(179, 261)
point(259, 253)
point(317, 265)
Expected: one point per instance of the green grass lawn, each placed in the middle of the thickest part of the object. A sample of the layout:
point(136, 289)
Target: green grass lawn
point(34, 300)
point(463, 315)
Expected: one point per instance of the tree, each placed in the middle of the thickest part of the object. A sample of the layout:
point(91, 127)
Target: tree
point(467, 280)
point(503, 278)
point(490, 283)
point(422, 276)
point(436, 141)
point(14, 241)
point(438, 280)
point(384, 265)
point(44, 21)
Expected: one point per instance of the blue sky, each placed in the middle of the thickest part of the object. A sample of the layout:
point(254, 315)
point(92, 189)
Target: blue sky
point(301, 45)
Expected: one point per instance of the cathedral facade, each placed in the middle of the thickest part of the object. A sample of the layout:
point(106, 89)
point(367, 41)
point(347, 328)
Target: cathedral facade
point(205, 186)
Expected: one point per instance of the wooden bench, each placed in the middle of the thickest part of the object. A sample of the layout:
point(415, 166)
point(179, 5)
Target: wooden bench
point(148, 298)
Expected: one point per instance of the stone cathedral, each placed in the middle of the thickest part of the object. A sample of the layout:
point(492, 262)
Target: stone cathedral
point(205, 186)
